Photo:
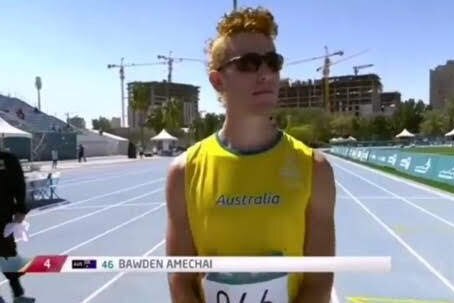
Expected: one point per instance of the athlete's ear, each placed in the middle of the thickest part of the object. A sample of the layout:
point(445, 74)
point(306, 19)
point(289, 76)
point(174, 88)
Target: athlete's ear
point(216, 80)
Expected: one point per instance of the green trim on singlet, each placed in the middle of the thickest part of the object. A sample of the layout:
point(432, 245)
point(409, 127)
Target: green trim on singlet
point(238, 152)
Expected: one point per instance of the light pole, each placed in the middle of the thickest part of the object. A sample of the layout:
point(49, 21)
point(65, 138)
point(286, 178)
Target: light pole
point(38, 85)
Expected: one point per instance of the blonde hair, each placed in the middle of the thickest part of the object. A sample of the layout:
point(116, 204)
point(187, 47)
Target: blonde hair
point(246, 20)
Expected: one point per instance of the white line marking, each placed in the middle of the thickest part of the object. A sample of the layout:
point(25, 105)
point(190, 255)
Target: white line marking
point(387, 197)
point(443, 220)
point(85, 177)
point(400, 179)
point(103, 178)
point(38, 213)
point(105, 233)
point(94, 212)
point(103, 205)
point(112, 229)
point(117, 276)
point(443, 279)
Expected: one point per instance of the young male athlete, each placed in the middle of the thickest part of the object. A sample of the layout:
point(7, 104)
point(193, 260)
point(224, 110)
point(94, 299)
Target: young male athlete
point(250, 189)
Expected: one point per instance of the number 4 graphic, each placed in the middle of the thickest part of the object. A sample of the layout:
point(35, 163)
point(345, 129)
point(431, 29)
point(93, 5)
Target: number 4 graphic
point(47, 263)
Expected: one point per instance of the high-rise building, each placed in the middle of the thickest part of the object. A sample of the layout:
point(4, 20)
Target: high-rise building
point(441, 84)
point(186, 93)
point(359, 95)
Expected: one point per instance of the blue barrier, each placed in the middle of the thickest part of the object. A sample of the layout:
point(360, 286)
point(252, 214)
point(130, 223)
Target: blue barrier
point(431, 167)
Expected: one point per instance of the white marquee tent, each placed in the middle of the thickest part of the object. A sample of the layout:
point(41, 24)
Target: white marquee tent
point(9, 131)
point(165, 138)
point(405, 134)
point(450, 134)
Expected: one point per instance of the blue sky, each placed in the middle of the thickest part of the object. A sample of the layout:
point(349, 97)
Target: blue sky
point(69, 44)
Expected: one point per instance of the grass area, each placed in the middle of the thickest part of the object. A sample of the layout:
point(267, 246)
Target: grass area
point(442, 150)
point(440, 185)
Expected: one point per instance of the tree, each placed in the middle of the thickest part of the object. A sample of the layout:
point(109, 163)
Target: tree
point(204, 127)
point(304, 133)
point(172, 114)
point(341, 125)
point(380, 128)
point(361, 128)
point(435, 123)
point(78, 122)
point(101, 124)
point(449, 109)
point(409, 115)
point(140, 103)
point(316, 117)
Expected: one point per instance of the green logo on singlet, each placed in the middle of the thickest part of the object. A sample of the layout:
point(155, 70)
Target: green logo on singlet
point(267, 199)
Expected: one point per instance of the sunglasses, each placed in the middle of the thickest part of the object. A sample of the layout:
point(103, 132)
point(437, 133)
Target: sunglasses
point(251, 62)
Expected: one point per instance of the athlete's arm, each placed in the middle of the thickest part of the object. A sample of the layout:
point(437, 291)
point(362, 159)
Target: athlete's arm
point(320, 232)
point(183, 286)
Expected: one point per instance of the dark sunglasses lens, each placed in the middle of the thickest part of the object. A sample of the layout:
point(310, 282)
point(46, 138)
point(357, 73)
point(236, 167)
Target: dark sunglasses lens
point(249, 63)
point(274, 61)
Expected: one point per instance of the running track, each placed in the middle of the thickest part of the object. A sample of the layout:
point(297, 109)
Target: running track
point(118, 210)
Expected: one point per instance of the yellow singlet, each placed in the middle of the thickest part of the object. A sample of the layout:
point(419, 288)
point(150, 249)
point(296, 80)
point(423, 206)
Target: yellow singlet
point(249, 205)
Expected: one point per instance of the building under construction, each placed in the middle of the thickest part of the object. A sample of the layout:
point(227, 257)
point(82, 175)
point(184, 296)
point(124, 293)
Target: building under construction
point(359, 95)
point(186, 93)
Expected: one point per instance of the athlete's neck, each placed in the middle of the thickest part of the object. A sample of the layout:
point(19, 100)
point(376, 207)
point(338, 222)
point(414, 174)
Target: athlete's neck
point(248, 134)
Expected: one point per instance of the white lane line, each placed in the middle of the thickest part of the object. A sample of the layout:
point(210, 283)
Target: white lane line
point(112, 229)
point(94, 212)
point(118, 276)
point(388, 197)
point(38, 213)
point(403, 199)
point(103, 205)
point(334, 296)
point(102, 178)
point(105, 233)
point(423, 261)
point(399, 179)
point(85, 177)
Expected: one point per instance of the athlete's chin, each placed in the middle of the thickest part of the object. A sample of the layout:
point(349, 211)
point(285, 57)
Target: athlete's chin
point(264, 104)
point(263, 107)
point(265, 100)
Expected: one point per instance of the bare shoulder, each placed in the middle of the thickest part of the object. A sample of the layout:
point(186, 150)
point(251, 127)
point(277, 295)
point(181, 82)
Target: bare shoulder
point(175, 181)
point(321, 163)
point(177, 166)
point(323, 186)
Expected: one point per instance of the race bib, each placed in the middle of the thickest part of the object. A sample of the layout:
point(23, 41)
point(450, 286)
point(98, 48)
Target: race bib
point(245, 288)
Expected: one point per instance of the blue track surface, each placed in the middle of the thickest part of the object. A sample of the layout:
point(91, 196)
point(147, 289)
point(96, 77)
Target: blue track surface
point(118, 210)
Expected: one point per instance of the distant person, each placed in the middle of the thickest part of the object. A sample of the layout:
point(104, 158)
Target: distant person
point(54, 158)
point(141, 152)
point(82, 153)
point(12, 209)
point(250, 188)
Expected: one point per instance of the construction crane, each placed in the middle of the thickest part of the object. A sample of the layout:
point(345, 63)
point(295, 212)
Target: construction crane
point(326, 72)
point(327, 63)
point(326, 66)
point(168, 60)
point(358, 67)
point(121, 68)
